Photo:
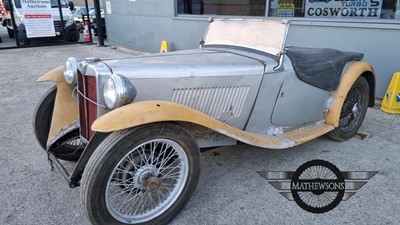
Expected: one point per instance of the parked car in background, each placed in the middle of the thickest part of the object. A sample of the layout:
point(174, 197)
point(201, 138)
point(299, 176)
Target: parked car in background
point(135, 125)
point(92, 14)
point(78, 16)
point(69, 25)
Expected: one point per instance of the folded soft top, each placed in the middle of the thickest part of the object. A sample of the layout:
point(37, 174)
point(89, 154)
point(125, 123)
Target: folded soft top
point(320, 67)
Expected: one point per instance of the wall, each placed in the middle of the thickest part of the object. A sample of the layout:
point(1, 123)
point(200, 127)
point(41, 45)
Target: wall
point(82, 2)
point(143, 24)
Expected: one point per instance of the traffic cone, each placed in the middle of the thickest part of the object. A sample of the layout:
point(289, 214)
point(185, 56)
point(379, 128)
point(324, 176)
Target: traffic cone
point(164, 46)
point(391, 100)
point(86, 31)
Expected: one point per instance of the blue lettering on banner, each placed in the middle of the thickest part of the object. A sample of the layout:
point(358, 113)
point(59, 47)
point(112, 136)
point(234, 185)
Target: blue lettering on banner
point(344, 8)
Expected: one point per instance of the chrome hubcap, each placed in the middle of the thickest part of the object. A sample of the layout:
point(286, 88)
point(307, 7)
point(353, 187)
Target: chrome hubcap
point(355, 109)
point(143, 174)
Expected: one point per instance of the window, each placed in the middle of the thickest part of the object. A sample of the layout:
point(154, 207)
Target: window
point(222, 7)
point(341, 9)
point(350, 9)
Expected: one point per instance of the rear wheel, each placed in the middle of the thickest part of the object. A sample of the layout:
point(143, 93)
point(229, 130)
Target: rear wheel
point(353, 111)
point(71, 149)
point(141, 176)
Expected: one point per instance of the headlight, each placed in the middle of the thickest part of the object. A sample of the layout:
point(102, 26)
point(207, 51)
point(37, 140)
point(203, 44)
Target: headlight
point(22, 19)
point(118, 91)
point(71, 70)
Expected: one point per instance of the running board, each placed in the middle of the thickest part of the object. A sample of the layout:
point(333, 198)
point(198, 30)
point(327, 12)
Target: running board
point(301, 135)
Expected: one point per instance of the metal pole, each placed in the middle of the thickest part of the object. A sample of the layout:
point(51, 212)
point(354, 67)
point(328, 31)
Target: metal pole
point(13, 23)
point(62, 21)
point(99, 22)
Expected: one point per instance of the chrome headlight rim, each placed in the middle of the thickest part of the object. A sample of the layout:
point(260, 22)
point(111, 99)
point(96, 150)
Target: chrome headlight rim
point(71, 71)
point(118, 91)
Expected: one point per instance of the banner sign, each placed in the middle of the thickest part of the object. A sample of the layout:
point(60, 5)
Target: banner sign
point(38, 18)
point(352, 9)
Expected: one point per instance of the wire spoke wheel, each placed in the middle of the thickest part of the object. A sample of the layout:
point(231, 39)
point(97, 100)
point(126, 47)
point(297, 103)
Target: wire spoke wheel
point(144, 175)
point(147, 181)
point(353, 111)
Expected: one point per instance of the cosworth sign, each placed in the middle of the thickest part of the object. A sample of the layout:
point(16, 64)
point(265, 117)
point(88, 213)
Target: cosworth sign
point(363, 9)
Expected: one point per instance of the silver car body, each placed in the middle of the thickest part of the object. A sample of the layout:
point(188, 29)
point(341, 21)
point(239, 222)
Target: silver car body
point(226, 80)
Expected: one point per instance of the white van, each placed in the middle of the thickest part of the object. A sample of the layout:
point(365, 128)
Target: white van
point(71, 32)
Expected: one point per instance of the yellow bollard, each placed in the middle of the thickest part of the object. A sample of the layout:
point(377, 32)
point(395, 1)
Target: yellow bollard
point(391, 100)
point(164, 46)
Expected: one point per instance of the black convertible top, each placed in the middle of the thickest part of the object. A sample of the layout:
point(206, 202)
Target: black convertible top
point(320, 67)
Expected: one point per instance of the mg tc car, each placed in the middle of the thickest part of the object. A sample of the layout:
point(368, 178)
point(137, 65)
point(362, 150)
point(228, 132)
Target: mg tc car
point(134, 126)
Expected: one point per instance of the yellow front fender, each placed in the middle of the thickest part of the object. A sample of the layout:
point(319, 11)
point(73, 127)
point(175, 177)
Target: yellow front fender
point(65, 109)
point(346, 82)
point(146, 112)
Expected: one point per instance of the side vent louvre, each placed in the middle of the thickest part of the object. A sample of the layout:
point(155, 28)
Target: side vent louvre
point(213, 101)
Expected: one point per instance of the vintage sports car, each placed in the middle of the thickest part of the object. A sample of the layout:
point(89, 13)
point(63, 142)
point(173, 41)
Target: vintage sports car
point(135, 125)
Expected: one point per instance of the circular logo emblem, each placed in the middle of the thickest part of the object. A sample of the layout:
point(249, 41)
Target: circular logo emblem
point(317, 186)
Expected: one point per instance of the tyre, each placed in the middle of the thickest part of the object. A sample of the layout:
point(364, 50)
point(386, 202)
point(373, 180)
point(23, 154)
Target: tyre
point(69, 151)
point(353, 111)
point(10, 33)
point(74, 37)
point(141, 176)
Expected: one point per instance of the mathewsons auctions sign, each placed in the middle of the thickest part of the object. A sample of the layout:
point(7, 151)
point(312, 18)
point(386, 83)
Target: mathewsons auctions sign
point(352, 9)
point(38, 18)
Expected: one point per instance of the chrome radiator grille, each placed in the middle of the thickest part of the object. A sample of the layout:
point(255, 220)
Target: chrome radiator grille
point(213, 101)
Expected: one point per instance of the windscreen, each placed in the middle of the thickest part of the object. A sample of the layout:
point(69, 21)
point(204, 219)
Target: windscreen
point(262, 35)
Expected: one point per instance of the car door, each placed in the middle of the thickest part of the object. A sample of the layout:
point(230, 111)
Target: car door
point(299, 103)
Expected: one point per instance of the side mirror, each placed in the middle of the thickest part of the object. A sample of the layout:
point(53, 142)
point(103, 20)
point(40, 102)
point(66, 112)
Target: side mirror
point(7, 5)
point(71, 5)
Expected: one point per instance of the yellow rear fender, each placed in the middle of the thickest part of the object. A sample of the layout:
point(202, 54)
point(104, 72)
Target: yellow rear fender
point(352, 73)
point(65, 109)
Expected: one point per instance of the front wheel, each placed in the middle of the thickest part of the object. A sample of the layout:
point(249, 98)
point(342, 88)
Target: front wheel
point(72, 149)
point(141, 176)
point(353, 111)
